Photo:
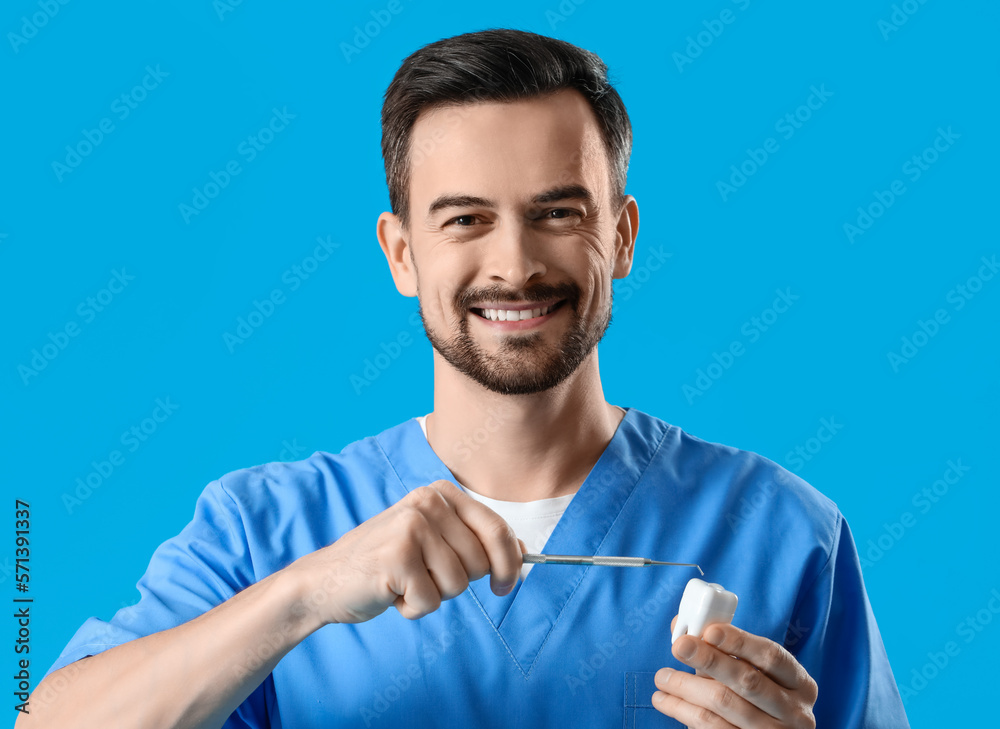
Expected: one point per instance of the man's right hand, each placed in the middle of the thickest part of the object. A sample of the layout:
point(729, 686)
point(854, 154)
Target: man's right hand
point(423, 549)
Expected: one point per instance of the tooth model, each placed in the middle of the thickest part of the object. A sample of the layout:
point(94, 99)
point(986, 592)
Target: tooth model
point(702, 604)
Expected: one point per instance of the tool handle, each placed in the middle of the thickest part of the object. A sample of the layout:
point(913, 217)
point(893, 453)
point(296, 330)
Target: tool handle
point(620, 561)
point(581, 559)
point(554, 559)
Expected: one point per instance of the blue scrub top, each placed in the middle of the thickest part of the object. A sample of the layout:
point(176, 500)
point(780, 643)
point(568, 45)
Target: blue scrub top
point(571, 646)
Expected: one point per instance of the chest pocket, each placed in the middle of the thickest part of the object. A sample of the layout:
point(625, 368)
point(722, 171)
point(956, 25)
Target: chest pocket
point(639, 712)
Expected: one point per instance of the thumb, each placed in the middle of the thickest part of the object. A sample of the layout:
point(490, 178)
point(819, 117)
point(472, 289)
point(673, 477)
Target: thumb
point(524, 547)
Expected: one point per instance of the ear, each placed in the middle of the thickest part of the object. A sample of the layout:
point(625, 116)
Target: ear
point(391, 238)
point(627, 230)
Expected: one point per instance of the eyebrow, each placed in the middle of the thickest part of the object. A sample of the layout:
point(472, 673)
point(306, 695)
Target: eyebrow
point(563, 192)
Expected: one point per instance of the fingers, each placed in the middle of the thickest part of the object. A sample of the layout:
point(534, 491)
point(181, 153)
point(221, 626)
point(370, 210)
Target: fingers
point(700, 702)
point(419, 595)
point(422, 567)
point(773, 660)
point(745, 673)
point(466, 546)
point(424, 549)
point(497, 539)
point(672, 624)
point(445, 568)
point(735, 682)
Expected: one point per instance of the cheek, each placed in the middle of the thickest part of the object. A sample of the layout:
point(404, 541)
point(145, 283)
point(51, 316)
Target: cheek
point(455, 267)
point(602, 296)
point(441, 279)
point(595, 276)
point(445, 302)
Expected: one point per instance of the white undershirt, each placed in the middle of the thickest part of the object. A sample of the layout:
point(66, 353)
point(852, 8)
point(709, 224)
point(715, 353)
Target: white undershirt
point(532, 521)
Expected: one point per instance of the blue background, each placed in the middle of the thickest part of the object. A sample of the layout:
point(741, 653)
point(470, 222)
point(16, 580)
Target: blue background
point(712, 262)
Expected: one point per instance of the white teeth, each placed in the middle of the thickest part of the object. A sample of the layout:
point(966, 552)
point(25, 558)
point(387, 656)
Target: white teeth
point(515, 314)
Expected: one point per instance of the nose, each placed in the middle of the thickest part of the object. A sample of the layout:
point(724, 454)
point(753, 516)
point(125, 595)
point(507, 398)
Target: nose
point(513, 256)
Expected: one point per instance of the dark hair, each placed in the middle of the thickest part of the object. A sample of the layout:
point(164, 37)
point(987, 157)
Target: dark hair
point(500, 65)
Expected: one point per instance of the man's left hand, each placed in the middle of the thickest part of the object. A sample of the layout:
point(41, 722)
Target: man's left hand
point(741, 680)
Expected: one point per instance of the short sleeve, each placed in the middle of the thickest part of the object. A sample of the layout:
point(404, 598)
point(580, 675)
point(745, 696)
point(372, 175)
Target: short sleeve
point(203, 566)
point(834, 635)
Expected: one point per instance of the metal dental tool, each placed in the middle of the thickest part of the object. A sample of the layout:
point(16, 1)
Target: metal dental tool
point(605, 561)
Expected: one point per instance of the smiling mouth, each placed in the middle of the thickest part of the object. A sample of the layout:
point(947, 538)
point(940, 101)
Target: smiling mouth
point(499, 314)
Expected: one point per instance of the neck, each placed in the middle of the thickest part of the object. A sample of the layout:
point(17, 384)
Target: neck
point(521, 447)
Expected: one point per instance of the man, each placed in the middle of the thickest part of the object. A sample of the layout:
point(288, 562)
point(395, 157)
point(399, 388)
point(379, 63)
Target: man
point(506, 156)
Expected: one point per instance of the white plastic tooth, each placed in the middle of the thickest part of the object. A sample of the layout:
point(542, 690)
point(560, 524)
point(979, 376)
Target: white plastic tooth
point(702, 604)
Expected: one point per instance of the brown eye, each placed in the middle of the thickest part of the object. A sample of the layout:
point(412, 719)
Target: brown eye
point(470, 218)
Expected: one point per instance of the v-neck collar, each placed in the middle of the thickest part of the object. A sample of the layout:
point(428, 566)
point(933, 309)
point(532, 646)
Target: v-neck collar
point(524, 619)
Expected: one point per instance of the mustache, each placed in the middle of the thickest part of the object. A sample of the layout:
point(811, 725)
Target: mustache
point(500, 295)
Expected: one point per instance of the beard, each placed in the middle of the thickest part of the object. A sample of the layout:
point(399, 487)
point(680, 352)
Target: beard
point(523, 364)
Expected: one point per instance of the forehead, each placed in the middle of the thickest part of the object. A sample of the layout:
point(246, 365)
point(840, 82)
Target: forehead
point(511, 150)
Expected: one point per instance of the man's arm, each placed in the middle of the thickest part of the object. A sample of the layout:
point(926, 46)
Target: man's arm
point(194, 675)
point(424, 549)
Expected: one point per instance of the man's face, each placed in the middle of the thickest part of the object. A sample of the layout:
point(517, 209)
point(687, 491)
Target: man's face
point(511, 217)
